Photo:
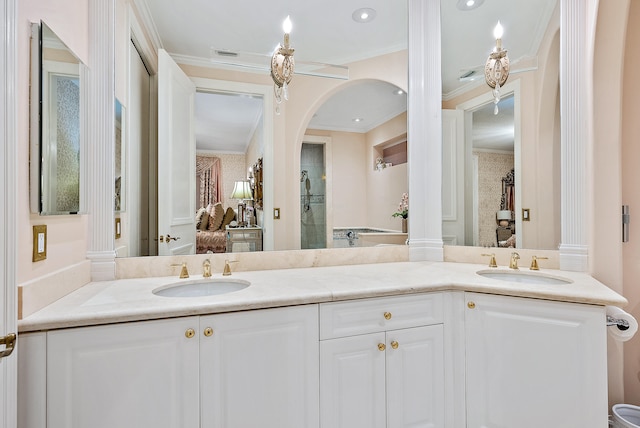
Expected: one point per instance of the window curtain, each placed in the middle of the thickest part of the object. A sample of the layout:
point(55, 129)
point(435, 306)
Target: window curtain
point(209, 175)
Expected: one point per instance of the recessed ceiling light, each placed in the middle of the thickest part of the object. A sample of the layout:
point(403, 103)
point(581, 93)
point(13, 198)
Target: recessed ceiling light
point(469, 4)
point(364, 15)
point(399, 91)
point(358, 119)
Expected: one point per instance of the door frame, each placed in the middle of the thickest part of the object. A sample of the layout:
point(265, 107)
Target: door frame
point(8, 217)
point(468, 107)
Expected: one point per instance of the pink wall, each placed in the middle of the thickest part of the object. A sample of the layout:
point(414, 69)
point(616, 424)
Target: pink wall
point(630, 156)
point(66, 244)
point(605, 251)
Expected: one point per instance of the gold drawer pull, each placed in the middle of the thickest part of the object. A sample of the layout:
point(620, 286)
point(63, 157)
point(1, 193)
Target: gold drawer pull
point(394, 344)
point(387, 315)
point(381, 347)
point(189, 333)
point(208, 332)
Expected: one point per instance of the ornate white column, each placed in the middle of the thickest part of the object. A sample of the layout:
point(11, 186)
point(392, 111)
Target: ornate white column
point(425, 131)
point(8, 217)
point(101, 136)
point(577, 28)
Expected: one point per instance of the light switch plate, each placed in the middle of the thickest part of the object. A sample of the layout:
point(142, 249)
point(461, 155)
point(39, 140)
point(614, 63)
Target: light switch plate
point(118, 228)
point(276, 213)
point(39, 242)
point(526, 215)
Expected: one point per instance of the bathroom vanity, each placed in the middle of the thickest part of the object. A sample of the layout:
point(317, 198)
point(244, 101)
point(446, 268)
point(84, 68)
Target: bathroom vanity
point(386, 345)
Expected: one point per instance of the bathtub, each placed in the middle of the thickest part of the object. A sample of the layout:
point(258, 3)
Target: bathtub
point(345, 237)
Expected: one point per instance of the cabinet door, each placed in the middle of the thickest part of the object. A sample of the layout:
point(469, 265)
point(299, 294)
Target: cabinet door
point(260, 369)
point(415, 377)
point(352, 382)
point(125, 375)
point(534, 363)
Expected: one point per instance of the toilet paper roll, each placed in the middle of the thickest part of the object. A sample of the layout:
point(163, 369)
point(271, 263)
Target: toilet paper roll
point(614, 331)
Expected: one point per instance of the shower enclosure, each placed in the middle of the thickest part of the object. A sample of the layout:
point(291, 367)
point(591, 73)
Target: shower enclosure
point(313, 213)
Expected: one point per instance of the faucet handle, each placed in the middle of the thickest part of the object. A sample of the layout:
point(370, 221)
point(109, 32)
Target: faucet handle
point(492, 260)
point(534, 262)
point(184, 273)
point(227, 267)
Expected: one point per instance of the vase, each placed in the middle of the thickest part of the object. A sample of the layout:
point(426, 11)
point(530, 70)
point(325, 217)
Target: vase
point(404, 225)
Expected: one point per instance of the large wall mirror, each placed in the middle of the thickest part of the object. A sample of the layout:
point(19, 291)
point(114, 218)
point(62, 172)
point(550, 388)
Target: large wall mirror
point(501, 176)
point(56, 121)
point(354, 122)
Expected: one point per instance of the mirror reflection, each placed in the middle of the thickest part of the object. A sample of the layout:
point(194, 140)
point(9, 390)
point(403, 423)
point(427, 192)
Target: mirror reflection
point(473, 130)
point(312, 39)
point(55, 151)
point(353, 168)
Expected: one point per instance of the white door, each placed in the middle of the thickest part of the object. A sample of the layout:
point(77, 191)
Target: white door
point(260, 368)
point(453, 232)
point(534, 363)
point(130, 375)
point(415, 377)
point(352, 382)
point(176, 159)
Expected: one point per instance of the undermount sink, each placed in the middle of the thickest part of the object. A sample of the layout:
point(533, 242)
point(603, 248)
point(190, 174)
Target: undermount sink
point(523, 277)
point(201, 288)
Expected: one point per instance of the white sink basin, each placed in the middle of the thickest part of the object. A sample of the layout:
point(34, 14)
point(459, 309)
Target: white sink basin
point(523, 277)
point(201, 287)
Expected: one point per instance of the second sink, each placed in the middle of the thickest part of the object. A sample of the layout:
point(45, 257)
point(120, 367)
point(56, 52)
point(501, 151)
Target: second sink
point(523, 277)
point(201, 287)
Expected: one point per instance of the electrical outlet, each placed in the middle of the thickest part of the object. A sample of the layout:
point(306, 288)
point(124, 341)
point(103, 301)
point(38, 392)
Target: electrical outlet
point(39, 242)
point(118, 228)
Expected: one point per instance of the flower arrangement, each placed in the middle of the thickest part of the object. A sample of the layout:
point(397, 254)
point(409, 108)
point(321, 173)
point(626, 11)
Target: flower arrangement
point(380, 165)
point(403, 207)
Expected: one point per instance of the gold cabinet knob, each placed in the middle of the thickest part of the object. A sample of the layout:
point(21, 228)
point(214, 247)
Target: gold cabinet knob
point(189, 333)
point(387, 315)
point(394, 344)
point(471, 305)
point(381, 347)
point(208, 332)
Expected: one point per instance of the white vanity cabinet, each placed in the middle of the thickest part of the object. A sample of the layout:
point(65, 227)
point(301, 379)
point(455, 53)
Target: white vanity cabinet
point(382, 362)
point(244, 369)
point(142, 374)
point(534, 363)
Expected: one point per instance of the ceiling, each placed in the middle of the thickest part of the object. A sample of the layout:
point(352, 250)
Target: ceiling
point(324, 31)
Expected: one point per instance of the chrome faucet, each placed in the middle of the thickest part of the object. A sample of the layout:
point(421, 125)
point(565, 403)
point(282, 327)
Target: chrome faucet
point(513, 264)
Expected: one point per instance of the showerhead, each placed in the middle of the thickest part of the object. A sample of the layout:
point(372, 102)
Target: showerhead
point(303, 175)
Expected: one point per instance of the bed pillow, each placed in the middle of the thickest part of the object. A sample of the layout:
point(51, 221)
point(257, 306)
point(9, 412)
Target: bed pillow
point(229, 216)
point(202, 219)
point(216, 216)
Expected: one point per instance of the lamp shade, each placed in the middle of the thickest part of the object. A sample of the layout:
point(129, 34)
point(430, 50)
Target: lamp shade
point(503, 215)
point(241, 190)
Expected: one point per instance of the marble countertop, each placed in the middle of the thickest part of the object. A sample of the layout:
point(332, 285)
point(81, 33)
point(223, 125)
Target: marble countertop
point(132, 299)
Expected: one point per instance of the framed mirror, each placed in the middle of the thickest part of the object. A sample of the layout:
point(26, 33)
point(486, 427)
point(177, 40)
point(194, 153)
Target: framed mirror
point(56, 125)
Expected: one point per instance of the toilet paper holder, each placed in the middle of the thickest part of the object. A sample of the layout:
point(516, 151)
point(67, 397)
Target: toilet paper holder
point(622, 324)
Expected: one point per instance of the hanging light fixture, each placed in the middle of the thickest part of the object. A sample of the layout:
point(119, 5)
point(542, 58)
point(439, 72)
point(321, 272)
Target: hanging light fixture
point(282, 65)
point(496, 70)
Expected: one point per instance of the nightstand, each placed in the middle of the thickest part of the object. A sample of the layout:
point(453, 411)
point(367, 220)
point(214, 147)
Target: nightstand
point(242, 239)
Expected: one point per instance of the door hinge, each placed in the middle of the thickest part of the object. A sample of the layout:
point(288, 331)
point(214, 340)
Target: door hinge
point(625, 223)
